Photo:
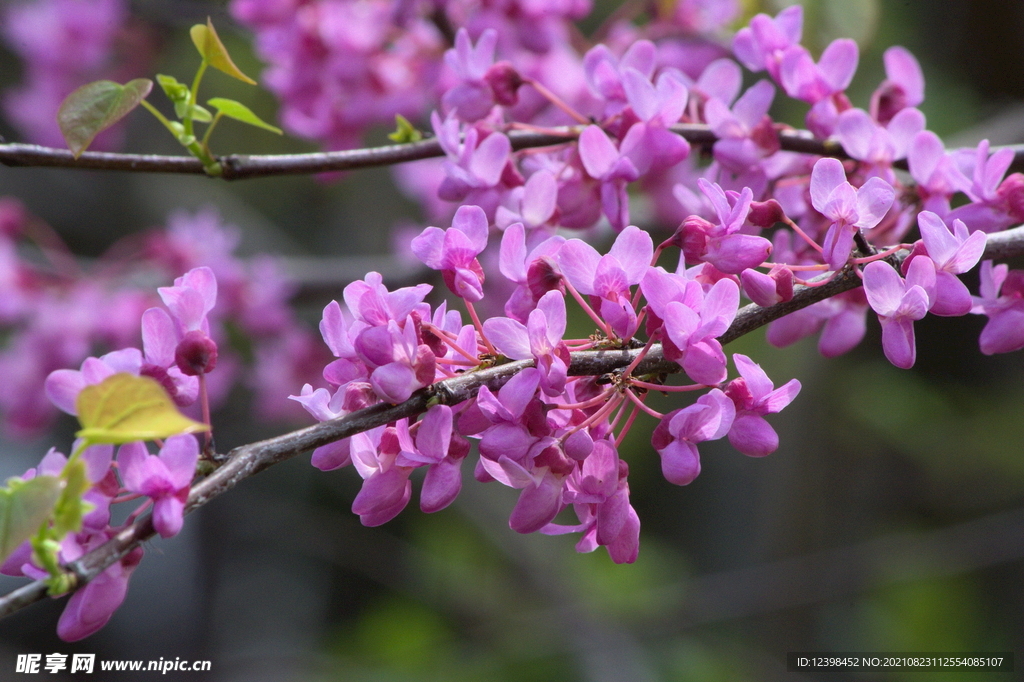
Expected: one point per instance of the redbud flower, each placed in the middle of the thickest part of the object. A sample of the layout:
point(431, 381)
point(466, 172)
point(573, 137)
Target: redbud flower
point(879, 146)
point(935, 172)
point(609, 277)
point(1002, 300)
point(91, 607)
point(472, 98)
point(454, 251)
point(952, 253)
point(903, 85)
point(165, 477)
point(723, 245)
point(189, 301)
point(745, 134)
point(540, 339)
point(754, 396)
point(847, 208)
point(678, 433)
point(761, 45)
point(534, 274)
point(898, 304)
point(614, 169)
point(649, 144)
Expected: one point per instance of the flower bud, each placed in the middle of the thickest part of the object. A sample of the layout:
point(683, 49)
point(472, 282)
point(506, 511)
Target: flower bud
point(765, 136)
point(887, 101)
point(196, 354)
point(1012, 192)
point(692, 238)
point(543, 276)
point(504, 81)
point(765, 214)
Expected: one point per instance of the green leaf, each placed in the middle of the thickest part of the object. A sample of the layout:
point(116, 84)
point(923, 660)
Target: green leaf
point(94, 107)
point(213, 51)
point(240, 112)
point(24, 507)
point(404, 132)
point(175, 91)
point(68, 512)
point(125, 408)
point(200, 114)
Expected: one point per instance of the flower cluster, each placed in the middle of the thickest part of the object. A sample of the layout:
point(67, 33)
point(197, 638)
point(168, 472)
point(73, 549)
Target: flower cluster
point(178, 353)
point(553, 436)
point(54, 314)
point(756, 222)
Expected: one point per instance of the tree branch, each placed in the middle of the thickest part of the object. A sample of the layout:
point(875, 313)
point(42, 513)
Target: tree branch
point(247, 460)
point(241, 166)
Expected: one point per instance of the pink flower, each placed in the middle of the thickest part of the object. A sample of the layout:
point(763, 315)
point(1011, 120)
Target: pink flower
point(754, 396)
point(898, 304)
point(165, 478)
point(454, 251)
point(847, 208)
point(677, 435)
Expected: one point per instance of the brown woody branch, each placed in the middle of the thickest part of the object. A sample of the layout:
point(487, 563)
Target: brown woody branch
point(247, 460)
point(241, 166)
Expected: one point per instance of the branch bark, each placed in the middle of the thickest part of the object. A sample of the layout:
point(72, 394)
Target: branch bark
point(241, 166)
point(248, 460)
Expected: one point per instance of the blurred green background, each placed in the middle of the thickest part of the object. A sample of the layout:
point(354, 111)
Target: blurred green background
point(890, 519)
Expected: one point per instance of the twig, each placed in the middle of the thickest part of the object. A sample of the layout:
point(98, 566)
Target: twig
point(241, 166)
point(247, 460)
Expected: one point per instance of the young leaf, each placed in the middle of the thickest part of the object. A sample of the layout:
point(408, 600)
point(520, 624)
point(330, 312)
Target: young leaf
point(68, 512)
point(24, 506)
point(124, 408)
point(240, 112)
point(199, 114)
point(404, 131)
point(213, 51)
point(175, 91)
point(94, 107)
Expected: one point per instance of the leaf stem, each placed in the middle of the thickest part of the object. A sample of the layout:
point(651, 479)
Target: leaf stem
point(193, 97)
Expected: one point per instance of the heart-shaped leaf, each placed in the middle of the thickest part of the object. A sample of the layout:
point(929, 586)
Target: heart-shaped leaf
point(213, 51)
point(125, 408)
point(24, 506)
point(240, 112)
point(96, 106)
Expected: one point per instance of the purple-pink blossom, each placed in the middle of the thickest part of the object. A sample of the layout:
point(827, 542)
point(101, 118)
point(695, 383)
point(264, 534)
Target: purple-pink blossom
point(899, 303)
point(164, 478)
point(848, 209)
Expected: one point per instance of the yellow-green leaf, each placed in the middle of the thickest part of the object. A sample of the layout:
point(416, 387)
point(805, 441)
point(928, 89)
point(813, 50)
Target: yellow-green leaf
point(24, 507)
point(213, 51)
point(240, 112)
point(96, 106)
point(125, 408)
point(404, 131)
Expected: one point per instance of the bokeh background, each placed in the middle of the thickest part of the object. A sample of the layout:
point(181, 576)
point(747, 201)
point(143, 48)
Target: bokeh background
point(890, 519)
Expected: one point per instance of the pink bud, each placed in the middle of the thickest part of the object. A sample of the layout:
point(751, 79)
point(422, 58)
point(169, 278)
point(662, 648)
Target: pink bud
point(504, 81)
point(887, 101)
point(692, 237)
point(765, 214)
point(765, 136)
point(196, 354)
point(543, 276)
point(1012, 192)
